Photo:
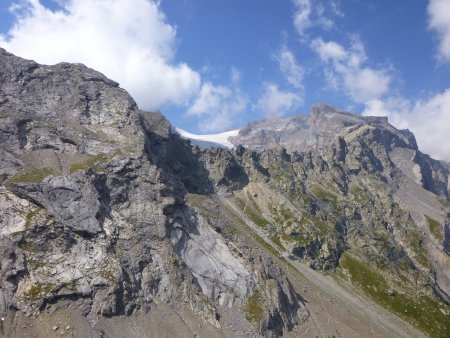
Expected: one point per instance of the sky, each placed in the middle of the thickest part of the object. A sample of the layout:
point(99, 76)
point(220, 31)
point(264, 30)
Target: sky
point(215, 65)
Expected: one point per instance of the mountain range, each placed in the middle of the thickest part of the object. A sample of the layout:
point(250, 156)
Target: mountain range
point(113, 223)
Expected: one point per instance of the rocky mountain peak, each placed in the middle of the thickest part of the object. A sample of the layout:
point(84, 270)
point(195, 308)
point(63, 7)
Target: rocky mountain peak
point(319, 108)
point(95, 218)
point(114, 225)
point(318, 129)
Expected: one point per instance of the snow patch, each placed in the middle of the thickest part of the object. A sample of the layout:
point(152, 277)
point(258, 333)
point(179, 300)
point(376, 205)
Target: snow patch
point(221, 138)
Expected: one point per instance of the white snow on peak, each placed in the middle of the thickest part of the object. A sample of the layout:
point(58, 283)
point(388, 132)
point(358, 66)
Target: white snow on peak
point(221, 138)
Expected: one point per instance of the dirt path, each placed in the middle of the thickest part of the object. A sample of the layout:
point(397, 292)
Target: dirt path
point(336, 309)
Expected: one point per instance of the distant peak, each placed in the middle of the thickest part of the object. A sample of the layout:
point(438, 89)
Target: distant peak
point(322, 109)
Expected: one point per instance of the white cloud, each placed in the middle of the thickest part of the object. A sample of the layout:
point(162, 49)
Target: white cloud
point(428, 119)
point(275, 102)
point(302, 15)
point(346, 70)
point(290, 68)
point(312, 13)
point(329, 50)
point(218, 106)
point(439, 20)
point(129, 41)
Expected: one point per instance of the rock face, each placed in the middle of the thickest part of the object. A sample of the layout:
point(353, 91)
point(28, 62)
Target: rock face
point(349, 193)
point(93, 211)
point(107, 212)
point(316, 131)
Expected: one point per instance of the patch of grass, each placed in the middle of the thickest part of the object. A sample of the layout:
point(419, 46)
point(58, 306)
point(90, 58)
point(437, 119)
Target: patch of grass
point(435, 228)
point(308, 229)
point(266, 245)
point(282, 215)
point(33, 175)
point(254, 215)
point(357, 193)
point(250, 231)
point(325, 196)
point(324, 229)
point(276, 239)
point(39, 289)
point(300, 239)
point(416, 243)
point(92, 162)
point(421, 310)
point(321, 229)
point(254, 311)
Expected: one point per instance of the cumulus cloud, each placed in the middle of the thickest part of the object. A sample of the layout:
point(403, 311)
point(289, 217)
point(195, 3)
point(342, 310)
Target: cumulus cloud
point(312, 13)
point(290, 68)
point(427, 118)
point(439, 21)
point(275, 102)
point(346, 70)
point(129, 41)
point(218, 106)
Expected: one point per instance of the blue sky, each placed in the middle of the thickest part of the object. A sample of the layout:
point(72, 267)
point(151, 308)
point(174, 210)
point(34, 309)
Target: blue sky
point(214, 65)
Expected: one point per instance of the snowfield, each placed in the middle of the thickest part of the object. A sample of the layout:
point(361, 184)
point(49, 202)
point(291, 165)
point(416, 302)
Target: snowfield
point(221, 139)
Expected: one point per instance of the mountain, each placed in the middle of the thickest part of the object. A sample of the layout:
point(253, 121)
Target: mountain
point(112, 225)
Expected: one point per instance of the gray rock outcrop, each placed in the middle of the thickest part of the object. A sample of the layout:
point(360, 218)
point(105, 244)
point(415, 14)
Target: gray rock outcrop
point(93, 207)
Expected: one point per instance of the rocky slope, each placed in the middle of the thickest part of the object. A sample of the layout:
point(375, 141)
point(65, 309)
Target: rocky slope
point(112, 225)
point(93, 213)
point(351, 195)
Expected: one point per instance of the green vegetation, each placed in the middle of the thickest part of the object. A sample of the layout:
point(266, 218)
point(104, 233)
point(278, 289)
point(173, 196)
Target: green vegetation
point(325, 196)
point(26, 246)
point(39, 289)
point(435, 228)
point(276, 239)
point(108, 275)
point(444, 203)
point(301, 239)
point(92, 162)
point(33, 175)
point(264, 243)
point(253, 212)
point(254, 311)
point(358, 194)
point(29, 217)
point(319, 228)
point(421, 310)
point(117, 152)
point(35, 264)
point(301, 232)
point(415, 241)
point(250, 231)
point(282, 216)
